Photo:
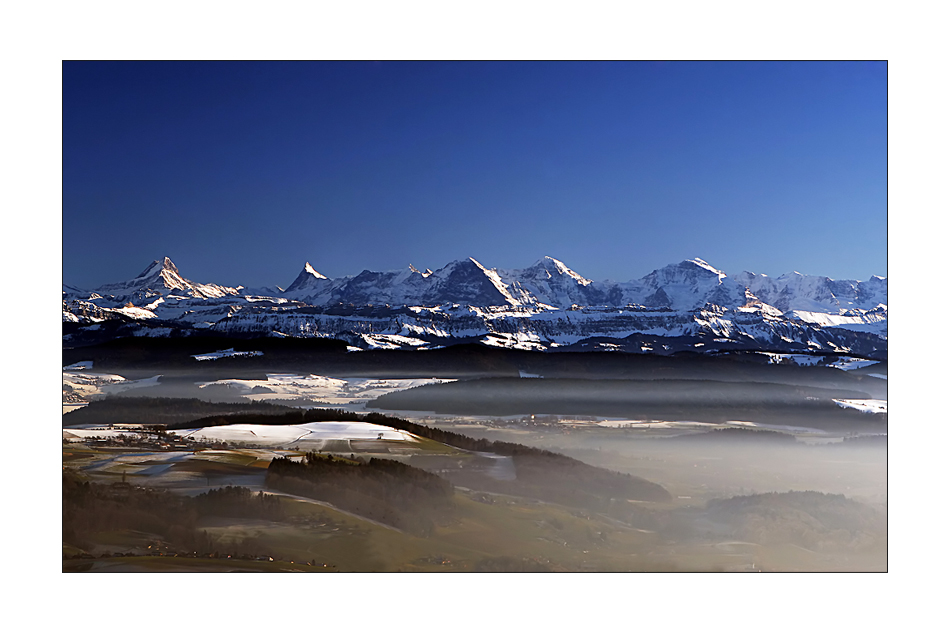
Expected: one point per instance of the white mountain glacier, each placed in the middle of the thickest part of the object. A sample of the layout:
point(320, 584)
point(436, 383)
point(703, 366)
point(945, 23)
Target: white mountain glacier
point(811, 293)
point(688, 305)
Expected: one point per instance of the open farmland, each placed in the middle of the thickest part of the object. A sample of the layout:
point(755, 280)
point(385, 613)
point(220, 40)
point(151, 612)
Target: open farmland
point(534, 473)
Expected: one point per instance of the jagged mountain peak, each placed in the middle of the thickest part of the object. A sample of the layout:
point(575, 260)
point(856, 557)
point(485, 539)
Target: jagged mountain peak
point(162, 277)
point(475, 262)
point(544, 304)
point(157, 267)
point(426, 273)
point(697, 264)
point(688, 285)
point(468, 265)
point(307, 268)
point(162, 271)
point(702, 264)
point(468, 281)
point(685, 271)
point(553, 267)
point(547, 262)
point(797, 291)
point(307, 281)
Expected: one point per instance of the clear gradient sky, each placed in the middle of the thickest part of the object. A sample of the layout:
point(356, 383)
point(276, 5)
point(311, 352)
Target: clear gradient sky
point(241, 172)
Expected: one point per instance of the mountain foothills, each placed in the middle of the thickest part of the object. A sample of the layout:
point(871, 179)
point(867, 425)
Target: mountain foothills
point(547, 306)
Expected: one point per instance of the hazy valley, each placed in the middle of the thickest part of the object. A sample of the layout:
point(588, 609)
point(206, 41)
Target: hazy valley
point(505, 460)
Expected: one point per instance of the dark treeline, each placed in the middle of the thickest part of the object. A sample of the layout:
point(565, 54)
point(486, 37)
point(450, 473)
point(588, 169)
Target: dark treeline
point(701, 400)
point(277, 418)
point(813, 520)
point(237, 501)
point(390, 492)
point(156, 354)
point(188, 386)
point(169, 411)
point(91, 509)
point(731, 435)
point(560, 479)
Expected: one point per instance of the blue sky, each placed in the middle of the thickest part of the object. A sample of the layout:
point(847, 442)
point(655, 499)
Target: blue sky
point(242, 172)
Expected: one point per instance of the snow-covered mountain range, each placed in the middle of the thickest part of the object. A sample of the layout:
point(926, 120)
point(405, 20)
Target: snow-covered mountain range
point(688, 305)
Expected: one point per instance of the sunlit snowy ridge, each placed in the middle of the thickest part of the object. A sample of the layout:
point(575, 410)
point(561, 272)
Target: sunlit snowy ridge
point(690, 305)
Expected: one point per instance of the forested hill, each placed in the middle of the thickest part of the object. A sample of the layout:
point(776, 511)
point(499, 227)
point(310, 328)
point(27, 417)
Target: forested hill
point(383, 490)
point(543, 474)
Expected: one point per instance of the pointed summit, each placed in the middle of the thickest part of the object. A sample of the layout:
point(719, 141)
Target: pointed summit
point(689, 285)
point(469, 264)
point(687, 271)
point(307, 268)
point(161, 277)
point(466, 281)
point(308, 282)
point(550, 282)
point(702, 264)
point(155, 268)
point(554, 267)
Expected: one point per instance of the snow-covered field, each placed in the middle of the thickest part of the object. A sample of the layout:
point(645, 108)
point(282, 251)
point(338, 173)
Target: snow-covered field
point(282, 436)
point(224, 353)
point(519, 340)
point(338, 391)
point(867, 405)
point(796, 359)
point(125, 385)
point(285, 436)
point(848, 363)
point(391, 341)
point(85, 384)
point(335, 391)
point(692, 425)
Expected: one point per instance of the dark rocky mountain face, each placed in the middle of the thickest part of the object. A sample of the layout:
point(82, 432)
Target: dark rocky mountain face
point(463, 282)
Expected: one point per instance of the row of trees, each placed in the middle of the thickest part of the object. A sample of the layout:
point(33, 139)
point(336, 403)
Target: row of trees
point(173, 412)
point(386, 491)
